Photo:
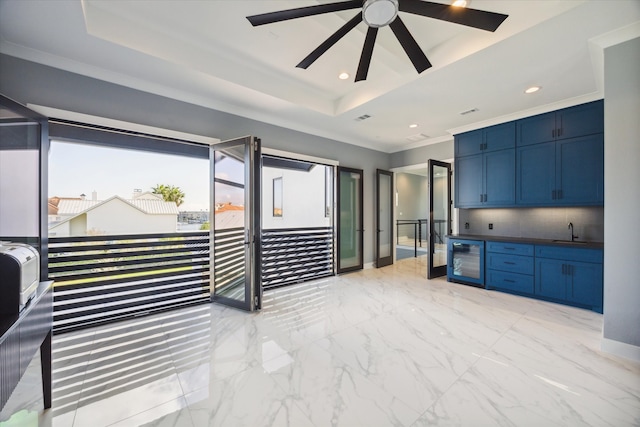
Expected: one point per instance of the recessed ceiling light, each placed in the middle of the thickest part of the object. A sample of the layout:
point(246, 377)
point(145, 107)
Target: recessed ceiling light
point(532, 89)
point(343, 76)
point(459, 3)
point(413, 125)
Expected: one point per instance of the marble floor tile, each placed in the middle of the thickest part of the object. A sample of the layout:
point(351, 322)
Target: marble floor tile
point(375, 347)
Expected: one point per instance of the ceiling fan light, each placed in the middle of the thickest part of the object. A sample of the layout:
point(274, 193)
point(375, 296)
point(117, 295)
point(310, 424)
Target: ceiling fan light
point(378, 13)
point(459, 3)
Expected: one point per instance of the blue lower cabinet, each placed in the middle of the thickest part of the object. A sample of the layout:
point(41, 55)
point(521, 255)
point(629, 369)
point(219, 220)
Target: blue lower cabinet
point(551, 281)
point(513, 282)
point(573, 276)
point(510, 267)
point(561, 274)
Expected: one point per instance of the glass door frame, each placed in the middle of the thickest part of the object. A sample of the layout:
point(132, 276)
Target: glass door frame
point(386, 260)
point(359, 218)
point(252, 223)
point(440, 270)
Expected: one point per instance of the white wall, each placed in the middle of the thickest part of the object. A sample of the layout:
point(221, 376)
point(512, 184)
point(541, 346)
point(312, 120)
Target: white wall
point(622, 199)
point(19, 193)
point(303, 198)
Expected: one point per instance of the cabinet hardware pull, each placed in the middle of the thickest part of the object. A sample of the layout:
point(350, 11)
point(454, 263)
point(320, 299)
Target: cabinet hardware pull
point(510, 263)
point(509, 249)
point(509, 281)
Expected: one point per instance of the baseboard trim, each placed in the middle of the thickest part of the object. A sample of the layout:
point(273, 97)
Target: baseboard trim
point(621, 349)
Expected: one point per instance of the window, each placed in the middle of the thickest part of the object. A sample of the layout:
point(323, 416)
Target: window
point(277, 197)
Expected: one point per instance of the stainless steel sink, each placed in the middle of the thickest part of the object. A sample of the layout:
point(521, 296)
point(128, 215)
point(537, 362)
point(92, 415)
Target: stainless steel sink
point(575, 242)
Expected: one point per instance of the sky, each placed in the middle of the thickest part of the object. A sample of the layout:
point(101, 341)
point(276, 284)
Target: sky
point(76, 169)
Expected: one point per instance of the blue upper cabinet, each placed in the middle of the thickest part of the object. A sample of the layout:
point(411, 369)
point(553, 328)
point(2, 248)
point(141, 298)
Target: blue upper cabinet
point(468, 181)
point(469, 143)
point(558, 160)
point(560, 157)
point(572, 122)
point(535, 178)
point(580, 171)
point(498, 178)
point(536, 129)
point(581, 120)
point(485, 167)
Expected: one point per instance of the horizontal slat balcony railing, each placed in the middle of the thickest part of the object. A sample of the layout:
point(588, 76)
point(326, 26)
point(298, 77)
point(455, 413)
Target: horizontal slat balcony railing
point(101, 279)
point(295, 255)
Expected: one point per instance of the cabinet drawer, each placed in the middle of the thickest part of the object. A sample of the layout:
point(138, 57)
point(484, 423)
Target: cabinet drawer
point(509, 281)
point(570, 254)
point(510, 248)
point(511, 263)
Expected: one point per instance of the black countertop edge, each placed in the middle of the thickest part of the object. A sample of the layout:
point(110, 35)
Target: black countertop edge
point(527, 240)
point(8, 321)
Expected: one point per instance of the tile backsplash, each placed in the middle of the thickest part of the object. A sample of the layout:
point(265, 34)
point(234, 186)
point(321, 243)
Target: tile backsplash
point(537, 223)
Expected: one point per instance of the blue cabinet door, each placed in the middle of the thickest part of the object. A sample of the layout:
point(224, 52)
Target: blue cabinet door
point(536, 129)
point(581, 120)
point(535, 174)
point(499, 178)
point(468, 181)
point(500, 137)
point(468, 143)
point(580, 170)
point(550, 277)
point(585, 287)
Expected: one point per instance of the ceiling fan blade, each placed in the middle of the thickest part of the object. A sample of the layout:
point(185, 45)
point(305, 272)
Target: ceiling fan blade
point(367, 52)
point(333, 39)
point(481, 19)
point(301, 12)
point(410, 46)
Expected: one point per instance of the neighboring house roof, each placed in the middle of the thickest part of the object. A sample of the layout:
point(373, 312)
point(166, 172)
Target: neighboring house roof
point(229, 207)
point(75, 208)
point(147, 195)
point(150, 206)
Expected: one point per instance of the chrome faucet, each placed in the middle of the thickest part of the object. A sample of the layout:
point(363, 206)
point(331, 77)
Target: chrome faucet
point(573, 237)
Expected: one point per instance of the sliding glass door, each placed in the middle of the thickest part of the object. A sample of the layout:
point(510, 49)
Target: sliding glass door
point(350, 220)
point(235, 227)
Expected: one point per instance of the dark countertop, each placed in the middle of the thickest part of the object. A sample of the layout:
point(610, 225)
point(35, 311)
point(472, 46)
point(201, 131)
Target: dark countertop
point(8, 321)
point(526, 240)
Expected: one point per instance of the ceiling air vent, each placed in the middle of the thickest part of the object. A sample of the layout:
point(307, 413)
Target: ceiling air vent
point(417, 137)
point(473, 110)
point(362, 117)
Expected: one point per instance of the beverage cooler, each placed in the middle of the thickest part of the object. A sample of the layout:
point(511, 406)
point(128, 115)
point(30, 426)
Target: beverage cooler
point(466, 261)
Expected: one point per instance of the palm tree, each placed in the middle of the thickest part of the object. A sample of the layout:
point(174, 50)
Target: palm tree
point(170, 193)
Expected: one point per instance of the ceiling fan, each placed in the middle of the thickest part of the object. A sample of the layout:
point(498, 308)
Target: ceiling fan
point(380, 13)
